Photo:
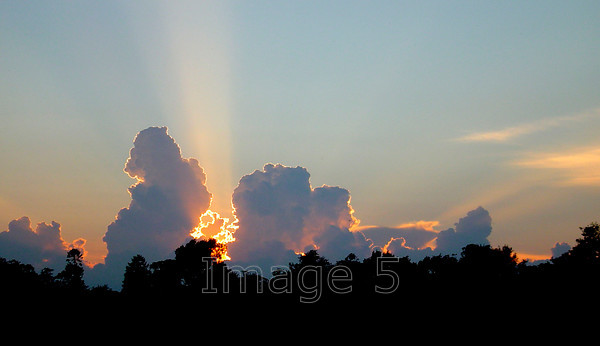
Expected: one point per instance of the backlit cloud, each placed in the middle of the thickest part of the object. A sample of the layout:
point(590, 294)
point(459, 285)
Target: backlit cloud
point(416, 235)
point(420, 239)
point(400, 248)
point(560, 248)
point(42, 247)
point(474, 228)
point(166, 204)
point(279, 215)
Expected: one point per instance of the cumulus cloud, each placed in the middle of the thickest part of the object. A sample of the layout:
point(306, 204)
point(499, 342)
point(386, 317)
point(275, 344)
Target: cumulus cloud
point(474, 228)
point(400, 248)
point(43, 247)
point(416, 235)
point(420, 239)
point(336, 243)
point(560, 248)
point(166, 203)
point(279, 215)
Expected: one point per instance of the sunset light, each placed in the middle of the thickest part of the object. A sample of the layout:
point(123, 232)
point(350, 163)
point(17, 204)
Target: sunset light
point(212, 225)
point(384, 153)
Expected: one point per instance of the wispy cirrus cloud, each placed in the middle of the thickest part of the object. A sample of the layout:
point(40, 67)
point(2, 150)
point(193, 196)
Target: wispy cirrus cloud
point(579, 166)
point(512, 132)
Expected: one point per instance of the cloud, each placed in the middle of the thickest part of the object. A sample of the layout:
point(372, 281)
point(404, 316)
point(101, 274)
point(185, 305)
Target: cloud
point(504, 134)
point(579, 166)
point(279, 214)
point(42, 247)
point(420, 239)
point(525, 129)
point(336, 243)
point(400, 248)
point(474, 228)
point(560, 248)
point(415, 234)
point(166, 204)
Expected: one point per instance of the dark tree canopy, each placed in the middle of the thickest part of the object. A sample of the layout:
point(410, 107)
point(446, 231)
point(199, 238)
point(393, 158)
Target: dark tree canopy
point(481, 273)
point(136, 279)
point(72, 276)
point(587, 249)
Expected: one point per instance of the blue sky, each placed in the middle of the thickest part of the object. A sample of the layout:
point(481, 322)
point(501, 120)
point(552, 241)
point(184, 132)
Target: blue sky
point(422, 110)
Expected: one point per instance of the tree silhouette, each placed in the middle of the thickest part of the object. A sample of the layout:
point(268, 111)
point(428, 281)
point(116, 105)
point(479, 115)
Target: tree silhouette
point(198, 267)
point(578, 268)
point(485, 272)
point(47, 277)
point(136, 280)
point(359, 282)
point(71, 277)
point(196, 275)
point(438, 268)
point(482, 262)
point(17, 277)
point(195, 262)
point(587, 249)
point(164, 278)
point(194, 258)
point(311, 258)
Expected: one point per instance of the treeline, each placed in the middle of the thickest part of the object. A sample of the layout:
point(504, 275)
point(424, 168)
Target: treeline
point(480, 273)
point(19, 280)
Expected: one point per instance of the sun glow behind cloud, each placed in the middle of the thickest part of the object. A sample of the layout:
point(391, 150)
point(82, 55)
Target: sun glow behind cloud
point(213, 225)
point(195, 86)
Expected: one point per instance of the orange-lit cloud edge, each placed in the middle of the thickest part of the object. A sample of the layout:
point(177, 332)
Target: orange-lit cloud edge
point(430, 226)
point(213, 225)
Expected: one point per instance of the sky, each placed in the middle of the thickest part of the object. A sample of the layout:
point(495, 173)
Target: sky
point(397, 114)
